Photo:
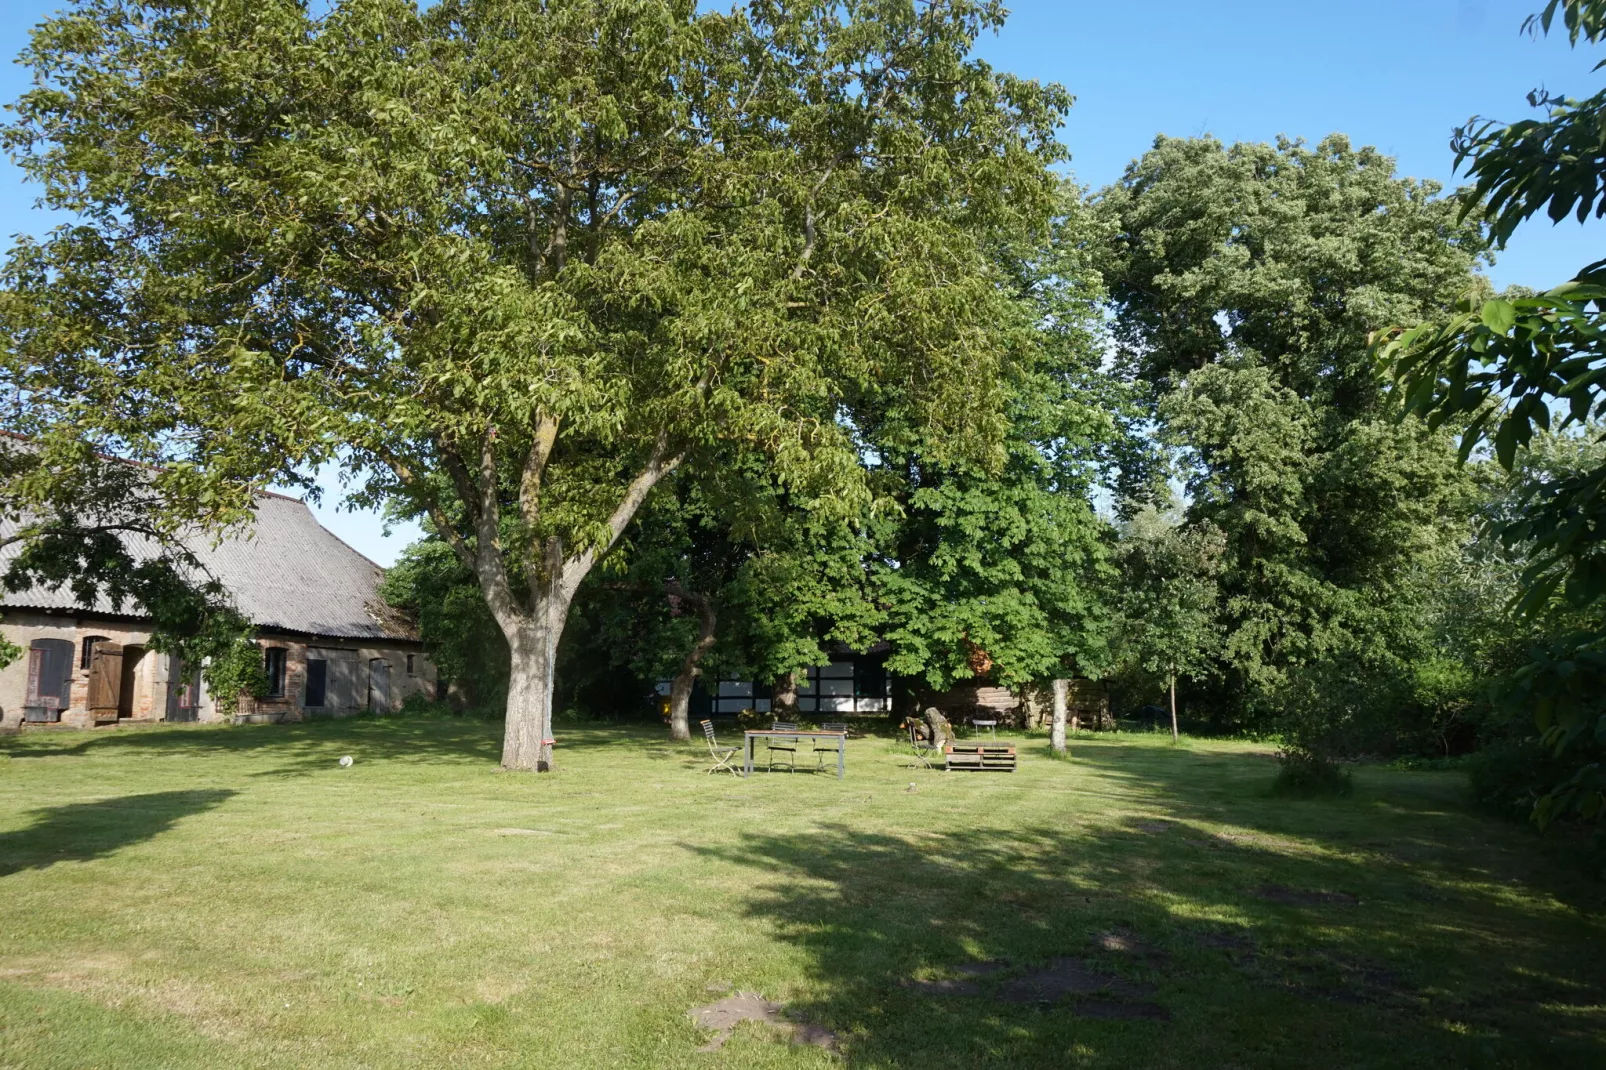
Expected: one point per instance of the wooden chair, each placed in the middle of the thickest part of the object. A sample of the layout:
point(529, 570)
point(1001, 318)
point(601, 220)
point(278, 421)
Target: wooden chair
point(919, 747)
point(723, 756)
point(823, 747)
point(782, 744)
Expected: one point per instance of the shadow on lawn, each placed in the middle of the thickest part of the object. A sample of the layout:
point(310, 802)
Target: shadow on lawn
point(1266, 945)
point(79, 832)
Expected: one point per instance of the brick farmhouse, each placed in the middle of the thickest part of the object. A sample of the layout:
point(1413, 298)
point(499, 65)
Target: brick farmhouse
point(330, 644)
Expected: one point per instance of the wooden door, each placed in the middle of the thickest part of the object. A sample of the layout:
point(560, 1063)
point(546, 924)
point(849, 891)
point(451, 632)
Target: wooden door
point(379, 686)
point(128, 688)
point(105, 682)
point(50, 665)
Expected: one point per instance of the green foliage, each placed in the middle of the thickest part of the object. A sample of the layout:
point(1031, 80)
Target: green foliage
point(508, 263)
point(235, 668)
point(1007, 565)
point(431, 585)
point(1246, 282)
point(1502, 370)
point(1170, 612)
point(9, 652)
point(1304, 775)
point(1509, 777)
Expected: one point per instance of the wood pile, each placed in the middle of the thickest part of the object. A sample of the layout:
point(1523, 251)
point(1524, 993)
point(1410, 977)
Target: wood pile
point(979, 759)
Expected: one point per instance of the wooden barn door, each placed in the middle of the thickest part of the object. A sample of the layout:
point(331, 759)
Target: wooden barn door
point(379, 685)
point(105, 682)
point(50, 664)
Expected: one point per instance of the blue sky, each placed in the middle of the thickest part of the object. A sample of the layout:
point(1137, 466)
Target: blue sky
point(1398, 75)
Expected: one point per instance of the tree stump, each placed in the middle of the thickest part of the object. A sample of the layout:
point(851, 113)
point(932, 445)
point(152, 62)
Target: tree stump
point(938, 730)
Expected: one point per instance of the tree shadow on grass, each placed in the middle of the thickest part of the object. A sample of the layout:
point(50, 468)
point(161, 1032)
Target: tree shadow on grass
point(80, 832)
point(1265, 948)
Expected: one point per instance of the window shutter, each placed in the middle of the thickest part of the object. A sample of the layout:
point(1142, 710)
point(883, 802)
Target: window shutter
point(36, 666)
point(105, 681)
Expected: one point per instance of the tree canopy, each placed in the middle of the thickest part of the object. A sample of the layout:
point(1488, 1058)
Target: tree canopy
point(1246, 282)
point(509, 263)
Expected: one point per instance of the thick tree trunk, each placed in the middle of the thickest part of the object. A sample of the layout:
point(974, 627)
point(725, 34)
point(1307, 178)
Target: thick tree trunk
point(532, 626)
point(783, 696)
point(680, 689)
point(533, 643)
point(691, 666)
point(1056, 732)
point(1176, 736)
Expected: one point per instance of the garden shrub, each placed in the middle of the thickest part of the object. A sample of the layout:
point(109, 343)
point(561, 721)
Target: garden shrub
point(1305, 775)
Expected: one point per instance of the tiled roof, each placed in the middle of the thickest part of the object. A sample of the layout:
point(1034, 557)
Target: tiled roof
point(287, 572)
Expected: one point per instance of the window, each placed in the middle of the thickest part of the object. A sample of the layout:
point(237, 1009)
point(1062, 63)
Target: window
point(273, 664)
point(317, 681)
point(409, 665)
point(88, 651)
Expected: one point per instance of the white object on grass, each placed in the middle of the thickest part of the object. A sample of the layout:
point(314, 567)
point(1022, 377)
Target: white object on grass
point(345, 762)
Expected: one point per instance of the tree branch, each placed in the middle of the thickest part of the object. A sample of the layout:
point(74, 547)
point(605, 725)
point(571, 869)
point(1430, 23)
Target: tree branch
point(658, 465)
point(546, 436)
point(443, 525)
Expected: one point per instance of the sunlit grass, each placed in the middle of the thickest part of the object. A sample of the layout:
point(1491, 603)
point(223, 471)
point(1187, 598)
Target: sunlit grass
point(230, 897)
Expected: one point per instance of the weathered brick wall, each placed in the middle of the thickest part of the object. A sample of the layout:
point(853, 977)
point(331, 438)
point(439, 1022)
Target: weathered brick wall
point(156, 678)
point(22, 627)
point(290, 706)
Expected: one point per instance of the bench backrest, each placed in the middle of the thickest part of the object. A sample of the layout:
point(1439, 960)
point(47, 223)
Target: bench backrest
point(784, 726)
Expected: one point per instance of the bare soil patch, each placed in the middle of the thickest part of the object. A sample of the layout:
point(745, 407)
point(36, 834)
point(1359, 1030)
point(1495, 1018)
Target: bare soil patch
point(1279, 893)
point(1107, 1008)
point(1123, 941)
point(725, 1015)
point(1063, 977)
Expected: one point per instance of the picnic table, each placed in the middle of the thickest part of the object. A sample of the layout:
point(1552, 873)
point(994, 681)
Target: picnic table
point(753, 735)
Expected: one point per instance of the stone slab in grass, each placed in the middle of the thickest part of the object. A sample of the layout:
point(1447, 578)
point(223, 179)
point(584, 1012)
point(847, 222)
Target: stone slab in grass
point(724, 1015)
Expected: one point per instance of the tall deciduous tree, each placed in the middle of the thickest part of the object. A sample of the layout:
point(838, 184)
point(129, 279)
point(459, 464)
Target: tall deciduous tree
point(511, 262)
point(1170, 611)
point(1246, 281)
point(1007, 567)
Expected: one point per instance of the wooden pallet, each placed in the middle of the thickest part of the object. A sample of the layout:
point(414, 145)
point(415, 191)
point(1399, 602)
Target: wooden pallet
point(979, 759)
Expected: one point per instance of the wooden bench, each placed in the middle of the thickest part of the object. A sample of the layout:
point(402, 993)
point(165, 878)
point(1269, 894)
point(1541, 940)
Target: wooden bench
point(966, 756)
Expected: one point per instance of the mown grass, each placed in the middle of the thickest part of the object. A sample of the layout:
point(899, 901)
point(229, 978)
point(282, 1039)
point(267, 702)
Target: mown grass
point(208, 898)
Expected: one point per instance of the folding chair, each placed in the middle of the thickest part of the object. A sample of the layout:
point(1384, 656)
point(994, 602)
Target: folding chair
point(723, 756)
point(822, 748)
point(921, 750)
point(784, 745)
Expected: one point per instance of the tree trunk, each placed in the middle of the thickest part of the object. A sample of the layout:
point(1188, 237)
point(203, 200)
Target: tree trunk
point(680, 690)
point(784, 696)
point(1176, 737)
point(1056, 735)
point(533, 643)
point(691, 666)
point(531, 626)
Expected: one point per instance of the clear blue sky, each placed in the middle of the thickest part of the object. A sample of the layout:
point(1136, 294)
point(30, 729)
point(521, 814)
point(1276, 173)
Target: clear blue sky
point(1398, 75)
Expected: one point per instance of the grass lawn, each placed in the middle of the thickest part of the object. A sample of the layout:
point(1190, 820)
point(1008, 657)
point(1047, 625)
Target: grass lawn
point(209, 898)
